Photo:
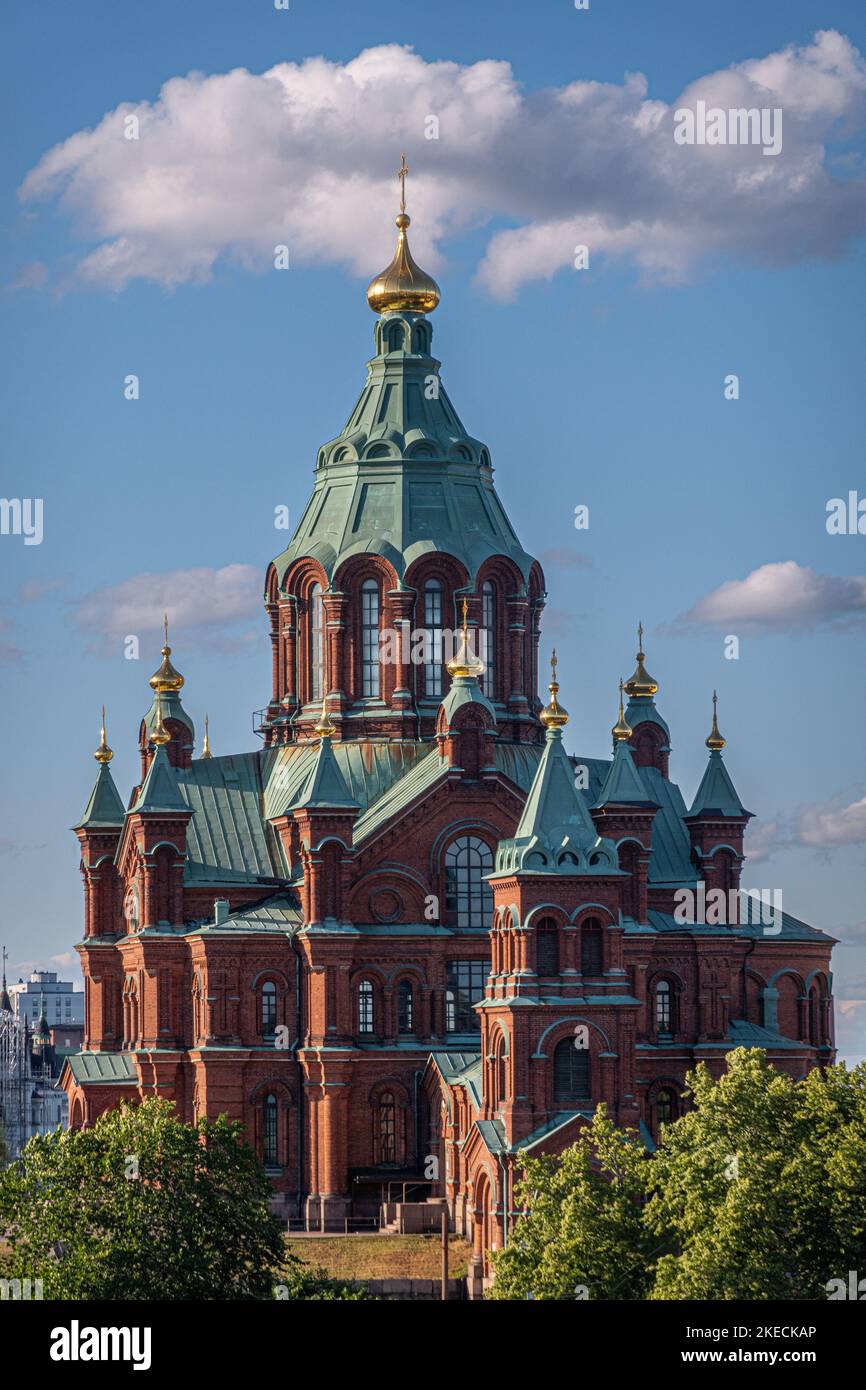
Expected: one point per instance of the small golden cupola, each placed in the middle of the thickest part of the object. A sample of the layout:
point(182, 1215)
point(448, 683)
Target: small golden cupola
point(166, 678)
point(403, 286)
point(621, 729)
point(714, 741)
point(103, 754)
point(553, 716)
point(641, 684)
point(464, 663)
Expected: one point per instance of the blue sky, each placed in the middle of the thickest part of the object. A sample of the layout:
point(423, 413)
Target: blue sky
point(603, 387)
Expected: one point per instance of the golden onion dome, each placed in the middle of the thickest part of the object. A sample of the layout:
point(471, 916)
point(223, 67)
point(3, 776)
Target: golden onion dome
point(103, 754)
point(166, 678)
point(641, 683)
point(553, 716)
point(621, 729)
point(159, 734)
point(325, 728)
point(403, 286)
point(464, 662)
point(714, 740)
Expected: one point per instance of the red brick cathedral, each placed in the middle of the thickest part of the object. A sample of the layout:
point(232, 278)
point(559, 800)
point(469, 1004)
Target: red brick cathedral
point(410, 935)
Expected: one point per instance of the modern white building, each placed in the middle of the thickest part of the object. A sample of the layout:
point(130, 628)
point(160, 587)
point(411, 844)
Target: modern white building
point(63, 1004)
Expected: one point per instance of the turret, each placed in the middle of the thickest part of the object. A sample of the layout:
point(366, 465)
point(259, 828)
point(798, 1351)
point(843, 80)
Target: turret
point(98, 832)
point(167, 711)
point(624, 812)
point(717, 819)
point(324, 814)
point(651, 737)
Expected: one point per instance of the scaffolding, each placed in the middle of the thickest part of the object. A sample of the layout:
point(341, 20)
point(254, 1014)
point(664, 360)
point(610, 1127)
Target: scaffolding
point(16, 1084)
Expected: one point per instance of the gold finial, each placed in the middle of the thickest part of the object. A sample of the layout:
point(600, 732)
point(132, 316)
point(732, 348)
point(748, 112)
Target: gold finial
point(621, 729)
point(641, 683)
point(103, 753)
point(205, 748)
point(166, 678)
point(403, 286)
point(715, 742)
point(553, 716)
point(159, 734)
point(324, 728)
point(401, 175)
point(464, 662)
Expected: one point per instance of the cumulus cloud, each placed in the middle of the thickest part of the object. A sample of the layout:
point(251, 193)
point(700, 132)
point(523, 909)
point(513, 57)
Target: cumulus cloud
point(563, 558)
point(822, 826)
point(780, 597)
point(191, 598)
point(228, 166)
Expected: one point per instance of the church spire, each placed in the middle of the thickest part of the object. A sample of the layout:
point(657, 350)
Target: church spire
point(464, 663)
point(5, 1001)
point(103, 754)
point(621, 729)
point(553, 716)
point(641, 683)
point(714, 740)
point(166, 722)
point(403, 286)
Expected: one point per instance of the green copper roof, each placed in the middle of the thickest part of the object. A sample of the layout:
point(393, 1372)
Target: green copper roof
point(102, 1068)
point(556, 833)
point(104, 807)
point(369, 769)
point(716, 794)
point(160, 790)
point(641, 709)
point(622, 785)
point(172, 708)
point(465, 690)
point(404, 477)
point(228, 839)
point(325, 786)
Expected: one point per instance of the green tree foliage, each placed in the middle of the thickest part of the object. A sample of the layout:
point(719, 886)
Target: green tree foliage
point(582, 1233)
point(757, 1192)
point(763, 1183)
point(142, 1206)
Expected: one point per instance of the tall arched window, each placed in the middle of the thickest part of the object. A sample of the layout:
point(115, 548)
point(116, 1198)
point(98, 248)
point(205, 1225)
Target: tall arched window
point(317, 644)
point(467, 895)
point(268, 1009)
point(591, 947)
point(405, 1008)
point(385, 1120)
point(270, 1139)
point(547, 947)
point(370, 639)
point(488, 639)
point(433, 626)
point(366, 1017)
point(664, 1108)
point(664, 1011)
point(571, 1074)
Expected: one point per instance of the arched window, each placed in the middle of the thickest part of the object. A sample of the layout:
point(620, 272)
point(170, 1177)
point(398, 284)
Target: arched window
point(591, 947)
point(268, 1009)
point(501, 1065)
point(405, 1008)
point(488, 639)
point(664, 1108)
point(270, 1143)
point(370, 639)
point(571, 1074)
point(317, 644)
point(366, 1018)
point(547, 947)
point(385, 1120)
point(664, 1011)
point(467, 895)
point(433, 638)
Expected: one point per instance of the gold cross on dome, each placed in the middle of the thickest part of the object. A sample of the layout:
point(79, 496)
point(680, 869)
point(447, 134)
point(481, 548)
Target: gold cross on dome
point(553, 664)
point(401, 175)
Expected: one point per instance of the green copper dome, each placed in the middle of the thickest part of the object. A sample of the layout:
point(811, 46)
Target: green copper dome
point(404, 477)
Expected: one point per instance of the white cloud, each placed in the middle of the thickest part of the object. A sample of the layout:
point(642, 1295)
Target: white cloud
point(783, 596)
point(191, 598)
point(230, 165)
point(824, 828)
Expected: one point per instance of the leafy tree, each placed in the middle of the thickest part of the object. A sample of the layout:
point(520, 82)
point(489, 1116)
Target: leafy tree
point(582, 1233)
point(763, 1183)
point(142, 1206)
